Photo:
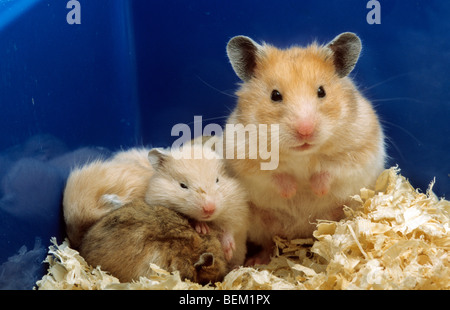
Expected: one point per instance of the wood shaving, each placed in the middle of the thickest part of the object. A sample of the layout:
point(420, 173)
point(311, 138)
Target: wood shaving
point(396, 238)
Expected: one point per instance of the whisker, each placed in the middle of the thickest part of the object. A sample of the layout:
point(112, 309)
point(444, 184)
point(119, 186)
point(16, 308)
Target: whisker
point(391, 142)
point(398, 99)
point(208, 119)
point(216, 89)
point(230, 109)
point(419, 143)
point(387, 80)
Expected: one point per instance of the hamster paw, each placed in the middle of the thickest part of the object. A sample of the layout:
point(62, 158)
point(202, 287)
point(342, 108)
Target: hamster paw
point(286, 184)
point(261, 258)
point(112, 200)
point(320, 183)
point(201, 227)
point(228, 245)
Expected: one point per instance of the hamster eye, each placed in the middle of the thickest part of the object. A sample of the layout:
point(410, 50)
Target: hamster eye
point(217, 180)
point(276, 96)
point(183, 185)
point(321, 92)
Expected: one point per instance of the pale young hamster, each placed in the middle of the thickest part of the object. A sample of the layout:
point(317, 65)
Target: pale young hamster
point(201, 189)
point(127, 240)
point(330, 140)
point(198, 188)
point(102, 186)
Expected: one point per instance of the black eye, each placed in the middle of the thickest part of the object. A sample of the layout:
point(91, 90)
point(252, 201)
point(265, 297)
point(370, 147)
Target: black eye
point(217, 180)
point(183, 185)
point(321, 92)
point(276, 96)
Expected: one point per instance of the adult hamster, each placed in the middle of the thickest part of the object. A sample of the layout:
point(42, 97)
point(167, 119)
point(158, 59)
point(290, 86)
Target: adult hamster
point(127, 240)
point(330, 140)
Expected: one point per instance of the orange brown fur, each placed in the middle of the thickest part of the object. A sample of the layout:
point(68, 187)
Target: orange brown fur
point(127, 240)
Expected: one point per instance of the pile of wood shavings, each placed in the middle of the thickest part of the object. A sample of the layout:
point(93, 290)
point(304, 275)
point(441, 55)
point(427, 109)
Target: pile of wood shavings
point(397, 238)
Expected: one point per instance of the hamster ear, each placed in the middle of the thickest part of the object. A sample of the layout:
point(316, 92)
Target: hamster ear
point(205, 260)
point(346, 48)
point(242, 52)
point(157, 157)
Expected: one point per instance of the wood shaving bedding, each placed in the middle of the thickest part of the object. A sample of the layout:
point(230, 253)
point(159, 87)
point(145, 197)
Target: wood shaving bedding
point(396, 238)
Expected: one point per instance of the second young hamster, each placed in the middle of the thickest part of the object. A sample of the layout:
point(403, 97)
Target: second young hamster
point(330, 140)
point(199, 188)
point(127, 240)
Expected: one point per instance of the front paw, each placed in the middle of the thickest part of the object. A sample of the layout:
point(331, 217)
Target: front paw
point(201, 227)
point(228, 245)
point(286, 184)
point(320, 183)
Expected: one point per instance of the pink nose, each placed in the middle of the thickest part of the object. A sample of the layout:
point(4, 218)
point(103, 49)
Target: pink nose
point(209, 208)
point(306, 129)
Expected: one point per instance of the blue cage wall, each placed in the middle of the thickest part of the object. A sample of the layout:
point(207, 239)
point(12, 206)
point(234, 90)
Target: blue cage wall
point(134, 68)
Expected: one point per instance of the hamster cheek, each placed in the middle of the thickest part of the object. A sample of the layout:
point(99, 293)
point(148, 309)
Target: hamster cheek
point(320, 183)
point(286, 184)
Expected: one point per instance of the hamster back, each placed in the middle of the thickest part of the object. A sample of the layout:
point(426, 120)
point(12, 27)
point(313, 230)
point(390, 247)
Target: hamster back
point(127, 240)
point(96, 189)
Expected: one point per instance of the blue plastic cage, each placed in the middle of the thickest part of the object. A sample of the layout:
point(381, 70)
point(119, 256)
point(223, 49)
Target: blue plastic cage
point(132, 69)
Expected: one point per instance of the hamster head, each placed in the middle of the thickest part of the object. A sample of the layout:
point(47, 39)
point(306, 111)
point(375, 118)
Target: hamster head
point(192, 180)
point(304, 90)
